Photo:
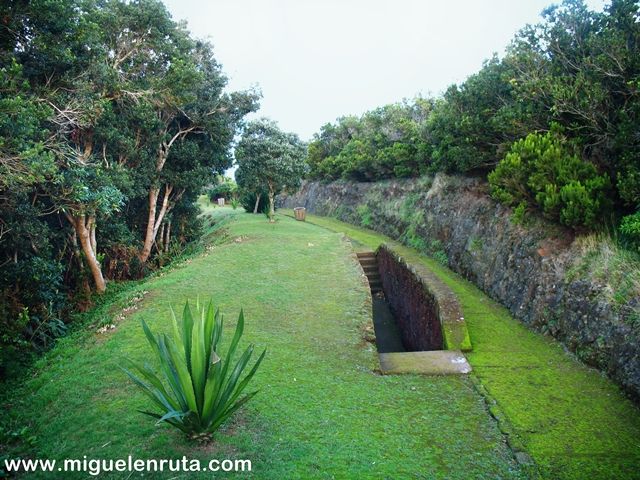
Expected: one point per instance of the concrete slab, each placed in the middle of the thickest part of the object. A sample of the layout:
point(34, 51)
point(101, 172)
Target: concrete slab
point(436, 362)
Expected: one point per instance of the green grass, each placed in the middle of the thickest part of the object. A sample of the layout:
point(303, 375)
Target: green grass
point(322, 411)
point(570, 419)
point(617, 270)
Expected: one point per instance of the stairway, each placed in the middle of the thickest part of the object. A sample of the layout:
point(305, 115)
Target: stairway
point(370, 266)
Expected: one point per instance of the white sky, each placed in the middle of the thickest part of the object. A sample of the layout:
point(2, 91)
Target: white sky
point(316, 60)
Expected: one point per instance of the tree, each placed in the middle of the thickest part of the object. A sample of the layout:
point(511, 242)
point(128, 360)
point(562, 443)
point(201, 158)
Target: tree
point(197, 123)
point(383, 143)
point(105, 106)
point(270, 158)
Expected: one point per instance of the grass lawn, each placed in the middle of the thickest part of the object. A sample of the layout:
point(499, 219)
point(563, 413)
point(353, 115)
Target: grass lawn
point(322, 411)
point(574, 422)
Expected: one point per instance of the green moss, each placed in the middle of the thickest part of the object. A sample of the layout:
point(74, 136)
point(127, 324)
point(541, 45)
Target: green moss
point(475, 245)
point(571, 420)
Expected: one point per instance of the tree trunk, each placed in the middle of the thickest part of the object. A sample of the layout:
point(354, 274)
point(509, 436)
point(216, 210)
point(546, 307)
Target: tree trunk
point(272, 211)
point(151, 220)
point(84, 227)
point(255, 208)
point(163, 210)
point(167, 236)
point(153, 223)
point(160, 242)
point(92, 235)
point(86, 288)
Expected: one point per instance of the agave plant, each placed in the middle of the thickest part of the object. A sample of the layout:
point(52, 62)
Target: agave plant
point(198, 388)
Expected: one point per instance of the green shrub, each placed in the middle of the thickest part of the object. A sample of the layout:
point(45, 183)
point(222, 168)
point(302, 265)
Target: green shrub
point(198, 388)
point(542, 173)
point(413, 240)
point(616, 269)
point(518, 215)
point(630, 229)
point(266, 212)
point(436, 250)
point(364, 212)
point(32, 300)
point(235, 203)
point(226, 189)
point(441, 257)
point(248, 200)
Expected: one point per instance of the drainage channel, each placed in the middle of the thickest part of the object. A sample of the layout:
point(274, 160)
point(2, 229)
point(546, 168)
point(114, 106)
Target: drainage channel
point(388, 336)
point(414, 342)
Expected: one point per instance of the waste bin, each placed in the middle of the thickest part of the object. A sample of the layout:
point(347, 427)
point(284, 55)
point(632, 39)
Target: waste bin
point(300, 213)
point(221, 201)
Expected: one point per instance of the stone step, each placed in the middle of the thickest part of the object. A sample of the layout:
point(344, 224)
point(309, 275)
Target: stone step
point(368, 261)
point(370, 269)
point(437, 362)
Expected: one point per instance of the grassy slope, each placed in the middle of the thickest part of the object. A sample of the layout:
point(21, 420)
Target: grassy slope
point(321, 412)
point(573, 422)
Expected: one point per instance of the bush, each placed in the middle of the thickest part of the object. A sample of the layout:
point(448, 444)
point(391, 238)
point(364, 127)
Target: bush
point(248, 201)
point(630, 229)
point(364, 212)
point(32, 299)
point(542, 173)
point(226, 189)
point(199, 388)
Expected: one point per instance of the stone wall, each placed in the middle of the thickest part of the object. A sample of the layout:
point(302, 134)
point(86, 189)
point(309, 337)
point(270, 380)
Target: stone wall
point(524, 268)
point(414, 307)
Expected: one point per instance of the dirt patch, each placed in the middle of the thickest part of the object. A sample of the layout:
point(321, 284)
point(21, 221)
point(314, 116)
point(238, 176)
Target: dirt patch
point(120, 314)
point(217, 446)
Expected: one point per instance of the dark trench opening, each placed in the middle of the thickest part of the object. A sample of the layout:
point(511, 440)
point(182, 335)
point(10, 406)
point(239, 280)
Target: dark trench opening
point(388, 336)
point(405, 317)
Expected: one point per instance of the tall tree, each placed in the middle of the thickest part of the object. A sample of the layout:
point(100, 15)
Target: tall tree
point(269, 157)
point(195, 114)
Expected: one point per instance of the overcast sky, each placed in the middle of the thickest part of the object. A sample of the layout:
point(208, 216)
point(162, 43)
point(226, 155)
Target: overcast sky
point(316, 60)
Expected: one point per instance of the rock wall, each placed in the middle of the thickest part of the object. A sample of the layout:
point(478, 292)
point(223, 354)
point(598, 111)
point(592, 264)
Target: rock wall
point(414, 307)
point(524, 268)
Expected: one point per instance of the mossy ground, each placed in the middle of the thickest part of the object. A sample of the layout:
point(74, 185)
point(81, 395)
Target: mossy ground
point(573, 422)
point(322, 411)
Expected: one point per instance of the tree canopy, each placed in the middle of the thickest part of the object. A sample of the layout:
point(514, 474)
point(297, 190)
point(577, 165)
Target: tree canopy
point(112, 120)
point(269, 159)
point(575, 73)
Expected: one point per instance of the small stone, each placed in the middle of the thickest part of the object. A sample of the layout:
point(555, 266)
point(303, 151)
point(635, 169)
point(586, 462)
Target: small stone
point(523, 458)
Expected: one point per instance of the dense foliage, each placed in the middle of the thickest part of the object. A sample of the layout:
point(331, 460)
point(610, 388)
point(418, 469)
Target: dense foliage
point(199, 388)
point(386, 142)
point(223, 187)
point(540, 170)
point(269, 161)
point(577, 70)
point(112, 119)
